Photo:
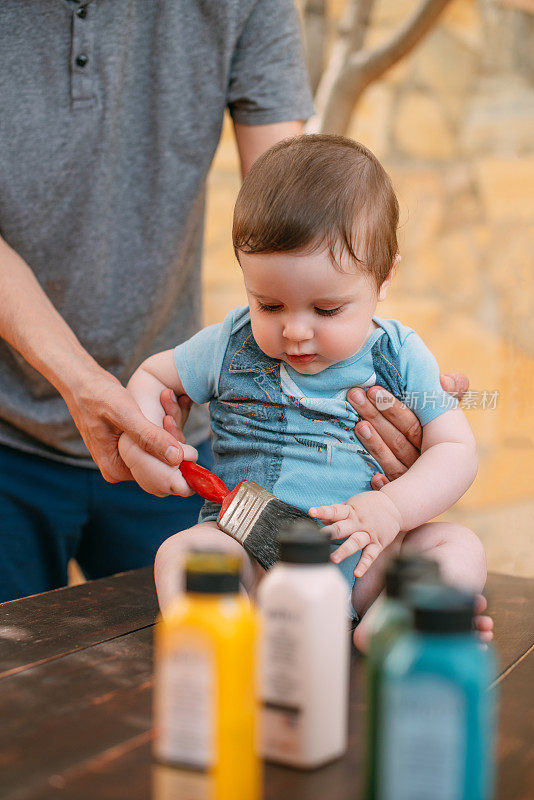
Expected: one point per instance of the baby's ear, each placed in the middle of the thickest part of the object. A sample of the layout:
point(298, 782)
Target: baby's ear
point(382, 292)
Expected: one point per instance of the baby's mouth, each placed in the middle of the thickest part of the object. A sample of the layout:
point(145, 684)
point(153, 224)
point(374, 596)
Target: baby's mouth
point(302, 359)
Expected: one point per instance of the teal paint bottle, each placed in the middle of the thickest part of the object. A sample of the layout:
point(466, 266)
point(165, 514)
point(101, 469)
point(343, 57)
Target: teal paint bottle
point(393, 617)
point(435, 736)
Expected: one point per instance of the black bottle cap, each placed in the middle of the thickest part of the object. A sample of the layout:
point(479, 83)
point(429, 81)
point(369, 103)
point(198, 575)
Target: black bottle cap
point(212, 572)
point(301, 542)
point(441, 609)
point(405, 570)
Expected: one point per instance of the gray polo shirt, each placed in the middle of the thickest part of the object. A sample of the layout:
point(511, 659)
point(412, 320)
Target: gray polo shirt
point(110, 114)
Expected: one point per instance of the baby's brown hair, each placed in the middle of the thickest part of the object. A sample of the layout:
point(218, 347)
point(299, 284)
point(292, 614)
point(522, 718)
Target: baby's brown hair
point(317, 191)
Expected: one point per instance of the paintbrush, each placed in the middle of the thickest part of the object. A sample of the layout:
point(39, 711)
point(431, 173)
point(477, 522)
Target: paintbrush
point(249, 513)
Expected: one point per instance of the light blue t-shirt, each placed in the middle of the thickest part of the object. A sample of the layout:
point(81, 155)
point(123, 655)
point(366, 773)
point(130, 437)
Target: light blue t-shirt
point(294, 433)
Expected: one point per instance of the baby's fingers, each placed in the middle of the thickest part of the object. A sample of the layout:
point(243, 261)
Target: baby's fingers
point(155, 477)
point(340, 530)
point(333, 513)
point(369, 553)
point(351, 546)
point(179, 485)
point(190, 454)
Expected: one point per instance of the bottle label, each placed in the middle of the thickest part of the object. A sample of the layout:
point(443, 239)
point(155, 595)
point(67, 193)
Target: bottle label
point(174, 783)
point(282, 680)
point(185, 708)
point(423, 740)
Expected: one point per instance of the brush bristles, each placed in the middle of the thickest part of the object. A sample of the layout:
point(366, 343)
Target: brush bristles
point(262, 541)
point(254, 517)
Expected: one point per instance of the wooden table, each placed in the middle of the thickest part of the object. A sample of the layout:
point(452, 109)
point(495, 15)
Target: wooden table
point(76, 679)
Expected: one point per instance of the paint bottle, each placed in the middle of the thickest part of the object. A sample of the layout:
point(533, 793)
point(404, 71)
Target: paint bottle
point(304, 652)
point(204, 697)
point(436, 713)
point(393, 617)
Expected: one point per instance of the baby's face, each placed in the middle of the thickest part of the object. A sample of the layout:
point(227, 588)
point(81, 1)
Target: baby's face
point(304, 311)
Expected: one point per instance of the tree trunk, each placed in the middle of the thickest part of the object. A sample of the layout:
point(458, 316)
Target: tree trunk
point(351, 70)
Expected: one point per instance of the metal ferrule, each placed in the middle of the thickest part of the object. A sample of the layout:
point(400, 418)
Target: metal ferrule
point(244, 510)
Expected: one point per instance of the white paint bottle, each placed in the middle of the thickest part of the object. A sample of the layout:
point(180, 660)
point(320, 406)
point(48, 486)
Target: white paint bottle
point(304, 652)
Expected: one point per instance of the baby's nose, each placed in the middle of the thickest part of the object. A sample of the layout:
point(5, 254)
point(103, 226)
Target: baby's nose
point(297, 330)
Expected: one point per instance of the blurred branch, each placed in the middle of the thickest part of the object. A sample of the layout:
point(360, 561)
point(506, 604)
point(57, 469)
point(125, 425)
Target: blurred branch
point(521, 5)
point(314, 21)
point(351, 69)
point(354, 25)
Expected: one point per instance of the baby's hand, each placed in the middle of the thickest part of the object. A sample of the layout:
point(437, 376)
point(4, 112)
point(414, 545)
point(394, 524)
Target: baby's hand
point(371, 521)
point(153, 475)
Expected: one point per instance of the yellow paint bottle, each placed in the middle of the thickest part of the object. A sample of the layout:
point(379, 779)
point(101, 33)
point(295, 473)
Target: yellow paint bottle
point(205, 695)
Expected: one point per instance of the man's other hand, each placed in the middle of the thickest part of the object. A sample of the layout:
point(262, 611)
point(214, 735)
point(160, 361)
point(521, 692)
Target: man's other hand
point(389, 431)
point(102, 410)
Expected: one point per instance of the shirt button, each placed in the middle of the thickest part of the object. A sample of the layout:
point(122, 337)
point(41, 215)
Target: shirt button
point(82, 60)
point(81, 12)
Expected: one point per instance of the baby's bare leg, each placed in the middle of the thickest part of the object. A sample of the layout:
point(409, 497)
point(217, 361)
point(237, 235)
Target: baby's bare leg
point(169, 563)
point(457, 550)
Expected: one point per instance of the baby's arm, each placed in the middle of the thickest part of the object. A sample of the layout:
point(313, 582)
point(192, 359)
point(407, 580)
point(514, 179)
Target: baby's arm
point(146, 384)
point(440, 476)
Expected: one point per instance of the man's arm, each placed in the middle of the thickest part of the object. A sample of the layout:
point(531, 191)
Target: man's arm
point(253, 140)
point(390, 431)
point(101, 408)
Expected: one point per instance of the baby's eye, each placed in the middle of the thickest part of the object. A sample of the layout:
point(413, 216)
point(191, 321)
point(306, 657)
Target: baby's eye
point(328, 312)
point(265, 307)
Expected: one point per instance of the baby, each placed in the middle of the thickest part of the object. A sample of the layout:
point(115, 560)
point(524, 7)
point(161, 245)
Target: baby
point(315, 235)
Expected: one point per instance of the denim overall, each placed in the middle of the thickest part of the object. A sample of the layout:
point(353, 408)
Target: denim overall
point(250, 398)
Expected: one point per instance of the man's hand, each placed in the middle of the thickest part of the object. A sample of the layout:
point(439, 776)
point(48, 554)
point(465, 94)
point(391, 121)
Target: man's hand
point(101, 407)
point(371, 521)
point(102, 410)
point(390, 431)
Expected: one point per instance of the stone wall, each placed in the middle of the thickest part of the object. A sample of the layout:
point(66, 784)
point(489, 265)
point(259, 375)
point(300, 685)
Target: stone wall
point(454, 123)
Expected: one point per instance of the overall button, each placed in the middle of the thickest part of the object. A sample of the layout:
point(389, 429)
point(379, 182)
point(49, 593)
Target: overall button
point(81, 12)
point(82, 60)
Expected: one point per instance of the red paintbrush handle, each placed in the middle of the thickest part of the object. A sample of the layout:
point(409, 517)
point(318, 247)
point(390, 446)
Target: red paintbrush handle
point(204, 482)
